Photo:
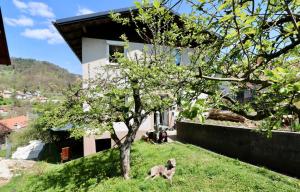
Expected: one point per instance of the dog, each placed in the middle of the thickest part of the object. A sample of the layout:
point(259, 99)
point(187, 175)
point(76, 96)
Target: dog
point(166, 172)
point(150, 137)
point(163, 137)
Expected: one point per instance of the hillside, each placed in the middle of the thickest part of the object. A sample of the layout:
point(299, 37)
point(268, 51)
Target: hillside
point(196, 170)
point(33, 75)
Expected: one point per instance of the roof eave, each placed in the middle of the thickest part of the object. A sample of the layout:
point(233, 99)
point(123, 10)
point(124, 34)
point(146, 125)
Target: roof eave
point(58, 29)
point(5, 52)
point(89, 17)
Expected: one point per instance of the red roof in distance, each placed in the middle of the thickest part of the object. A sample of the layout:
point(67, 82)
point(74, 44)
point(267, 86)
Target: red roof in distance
point(15, 123)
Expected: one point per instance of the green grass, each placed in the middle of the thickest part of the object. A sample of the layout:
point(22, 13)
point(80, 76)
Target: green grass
point(3, 153)
point(4, 101)
point(197, 170)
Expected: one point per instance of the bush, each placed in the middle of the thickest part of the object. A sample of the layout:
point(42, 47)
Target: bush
point(32, 132)
point(4, 101)
point(3, 153)
point(295, 126)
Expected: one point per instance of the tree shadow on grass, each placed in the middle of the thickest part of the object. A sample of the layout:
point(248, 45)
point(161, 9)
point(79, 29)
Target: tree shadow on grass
point(79, 174)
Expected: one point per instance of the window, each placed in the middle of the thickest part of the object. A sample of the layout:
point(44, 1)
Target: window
point(114, 49)
point(177, 55)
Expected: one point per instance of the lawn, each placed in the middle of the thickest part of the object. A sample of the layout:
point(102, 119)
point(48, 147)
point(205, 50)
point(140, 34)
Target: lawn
point(3, 153)
point(197, 170)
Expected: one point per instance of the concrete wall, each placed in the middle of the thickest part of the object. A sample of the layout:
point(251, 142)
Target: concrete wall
point(280, 153)
point(89, 145)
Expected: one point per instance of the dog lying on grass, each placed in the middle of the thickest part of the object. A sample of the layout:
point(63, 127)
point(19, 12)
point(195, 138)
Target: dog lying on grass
point(164, 171)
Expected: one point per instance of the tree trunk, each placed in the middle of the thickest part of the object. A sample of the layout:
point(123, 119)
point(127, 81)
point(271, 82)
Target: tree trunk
point(125, 159)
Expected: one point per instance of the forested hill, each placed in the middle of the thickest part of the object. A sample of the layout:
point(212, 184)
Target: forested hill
point(33, 75)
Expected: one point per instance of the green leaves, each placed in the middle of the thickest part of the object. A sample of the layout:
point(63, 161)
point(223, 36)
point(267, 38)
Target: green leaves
point(285, 81)
point(226, 18)
point(249, 19)
point(248, 40)
point(191, 110)
point(222, 6)
point(278, 74)
point(156, 3)
point(250, 31)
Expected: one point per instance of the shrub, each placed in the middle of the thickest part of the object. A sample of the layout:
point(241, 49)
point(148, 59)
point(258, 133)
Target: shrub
point(32, 132)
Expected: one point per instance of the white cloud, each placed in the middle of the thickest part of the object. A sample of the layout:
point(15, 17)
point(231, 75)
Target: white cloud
point(84, 11)
point(49, 34)
point(40, 9)
point(20, 4)
point(21, 21)
point(35, 8)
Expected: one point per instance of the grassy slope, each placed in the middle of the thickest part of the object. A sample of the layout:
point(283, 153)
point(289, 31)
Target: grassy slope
point(197, 170)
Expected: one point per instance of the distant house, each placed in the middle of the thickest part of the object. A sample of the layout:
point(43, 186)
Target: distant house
point(42, 99)
point(28, 95)
point(15, 123)
point(6, 94)
point(20, 95)
point(10, 125)
point(4, 54)
point(95, 38)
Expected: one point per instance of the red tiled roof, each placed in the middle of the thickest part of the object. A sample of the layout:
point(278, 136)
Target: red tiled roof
point(12, 123)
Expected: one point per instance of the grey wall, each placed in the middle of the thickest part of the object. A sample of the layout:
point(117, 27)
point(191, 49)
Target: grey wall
point(280, 153)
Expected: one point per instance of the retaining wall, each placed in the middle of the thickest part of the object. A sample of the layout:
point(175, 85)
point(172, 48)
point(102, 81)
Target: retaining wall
point(281, 152)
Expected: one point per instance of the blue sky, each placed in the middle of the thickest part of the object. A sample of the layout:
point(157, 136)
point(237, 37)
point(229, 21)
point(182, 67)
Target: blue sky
point(30, 33)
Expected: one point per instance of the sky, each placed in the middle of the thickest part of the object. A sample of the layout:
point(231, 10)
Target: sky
point(30, 33)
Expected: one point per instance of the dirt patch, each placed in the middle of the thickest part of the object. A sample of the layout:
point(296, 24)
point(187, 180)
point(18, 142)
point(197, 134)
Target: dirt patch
point(10, 168)
point(3, 181)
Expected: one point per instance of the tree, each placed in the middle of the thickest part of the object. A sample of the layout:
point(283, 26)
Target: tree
point(141, 84)
point(247, 44)
point(250, 45)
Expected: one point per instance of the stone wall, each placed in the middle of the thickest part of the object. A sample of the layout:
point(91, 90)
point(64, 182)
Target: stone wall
point(281, 152)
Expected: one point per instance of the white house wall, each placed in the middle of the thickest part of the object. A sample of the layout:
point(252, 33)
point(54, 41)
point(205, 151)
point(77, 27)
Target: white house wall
point(95, 54)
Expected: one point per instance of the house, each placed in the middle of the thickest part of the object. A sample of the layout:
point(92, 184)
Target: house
point(94, 38)
point(42, 99)
point(4, 54)
point(3, 111)
point(6, 94)
point(15, 123)
point(28, 95)
point(20, 95)
point(12, 124)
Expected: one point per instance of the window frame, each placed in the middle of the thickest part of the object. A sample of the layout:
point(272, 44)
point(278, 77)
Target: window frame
point(113, 43)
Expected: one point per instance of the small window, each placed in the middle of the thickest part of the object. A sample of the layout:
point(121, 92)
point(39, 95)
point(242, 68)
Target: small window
point(114, 49)
point(177, 55)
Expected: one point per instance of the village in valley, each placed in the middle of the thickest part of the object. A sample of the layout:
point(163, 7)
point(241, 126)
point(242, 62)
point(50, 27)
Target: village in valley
point(29, 96)
point(150, 95)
